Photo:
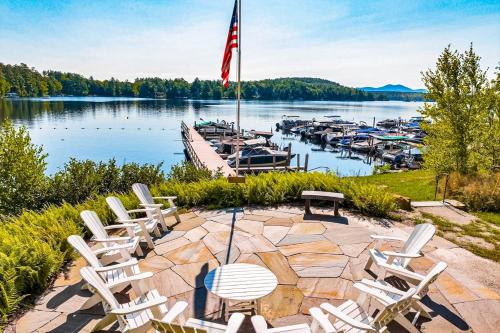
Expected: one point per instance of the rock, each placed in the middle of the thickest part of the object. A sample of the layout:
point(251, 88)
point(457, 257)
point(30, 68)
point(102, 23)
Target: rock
point(307, 229)
point(201, 303)
point(168, 283)
point(170, 246)
point(212, 226)
point(189, 224)
point(195, 234)
point(261, 218)
point(275, 233)
point(321, 246)
point(323, 287)
point(348, 236)
point(34, 319)
point(318, 265)
point(284, 301)
point(171, 235)
point(190, 253)
point(483, 316)
point(217, 241)
point(71, 273)
point(278, 264)
point(299, 239)
point(234, 253)
point(453, 291)
point(284, 222)
point(255, 244)
point(250, 258)
point(403, 202)
point(252, 227)
point(195, 273)
point(353, 250)
point(154, 264)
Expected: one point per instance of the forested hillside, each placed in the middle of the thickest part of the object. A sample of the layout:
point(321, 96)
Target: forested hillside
point(28, 82)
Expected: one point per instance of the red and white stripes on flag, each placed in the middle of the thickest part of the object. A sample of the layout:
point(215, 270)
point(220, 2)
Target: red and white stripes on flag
point(232, 42)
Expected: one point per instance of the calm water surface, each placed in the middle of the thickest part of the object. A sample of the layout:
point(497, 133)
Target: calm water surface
point(139, 130)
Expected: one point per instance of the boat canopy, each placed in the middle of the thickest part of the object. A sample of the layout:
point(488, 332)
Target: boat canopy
point(389, 137)
point(254, 142)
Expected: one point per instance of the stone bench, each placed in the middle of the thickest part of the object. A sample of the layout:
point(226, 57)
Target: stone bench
point(325, 196)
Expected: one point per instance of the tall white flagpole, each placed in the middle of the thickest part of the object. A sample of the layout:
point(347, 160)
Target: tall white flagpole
point(238, 92)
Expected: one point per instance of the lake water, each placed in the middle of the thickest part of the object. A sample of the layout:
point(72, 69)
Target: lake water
point(139, 130)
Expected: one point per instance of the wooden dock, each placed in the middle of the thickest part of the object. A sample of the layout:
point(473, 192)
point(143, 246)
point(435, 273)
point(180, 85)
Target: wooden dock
point(201, 153)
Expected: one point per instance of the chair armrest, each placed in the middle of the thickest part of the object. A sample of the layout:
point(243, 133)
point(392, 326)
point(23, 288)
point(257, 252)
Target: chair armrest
point(381, 237)
point(112, 248)
point(129, 279)
point(387, 288)
point(119, 226)
point(321, 319)
point(128, 263)
point(176, 310)
point(112, 239)
point(376, 293)
point(140, 210)
point(140, 219)
point(165, 198)
point(345, 318)
point(235, 322)
point(403, 272)
point(152, 205)
point(259, 323)
point(401, 255)
point(140, 307)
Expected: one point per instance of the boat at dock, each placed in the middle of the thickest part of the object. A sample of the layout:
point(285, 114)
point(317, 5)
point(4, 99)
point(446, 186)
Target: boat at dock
point(260, 157)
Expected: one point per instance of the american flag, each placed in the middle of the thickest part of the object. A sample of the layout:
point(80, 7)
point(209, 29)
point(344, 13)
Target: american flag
point(232, 42)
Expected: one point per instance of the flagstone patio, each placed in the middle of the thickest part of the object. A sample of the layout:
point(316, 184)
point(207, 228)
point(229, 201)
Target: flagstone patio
point(316, 258)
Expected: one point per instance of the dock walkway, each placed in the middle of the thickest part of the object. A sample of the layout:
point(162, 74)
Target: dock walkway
point(201, 153)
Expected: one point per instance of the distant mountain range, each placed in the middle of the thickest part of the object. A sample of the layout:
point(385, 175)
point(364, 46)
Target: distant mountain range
point(393, 88)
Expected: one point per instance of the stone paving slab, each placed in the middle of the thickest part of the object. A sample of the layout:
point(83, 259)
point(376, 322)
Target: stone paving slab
point(316, 258)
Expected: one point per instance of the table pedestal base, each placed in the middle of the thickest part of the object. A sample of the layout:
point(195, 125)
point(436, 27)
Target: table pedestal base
point(226, 309)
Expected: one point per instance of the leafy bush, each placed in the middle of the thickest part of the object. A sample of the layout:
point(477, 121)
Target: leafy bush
point(187, 172)
point(80, 180)
point(480, 192)
point(22, 166)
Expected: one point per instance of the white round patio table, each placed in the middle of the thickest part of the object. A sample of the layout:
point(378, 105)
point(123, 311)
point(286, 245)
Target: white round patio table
point(246, 283)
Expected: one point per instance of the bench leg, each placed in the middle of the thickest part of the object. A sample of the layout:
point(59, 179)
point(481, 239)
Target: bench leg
point(308, 206)
point(336, 208)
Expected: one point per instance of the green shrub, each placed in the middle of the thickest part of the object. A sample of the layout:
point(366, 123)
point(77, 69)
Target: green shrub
point(187, 172)
point(22, 167)
point(80, 180)
point(480, 192)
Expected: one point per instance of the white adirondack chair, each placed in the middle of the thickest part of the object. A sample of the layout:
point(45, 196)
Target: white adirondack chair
point(142, 226)
point(148, 201)
point(116, 277)
point(351, 316)
point(320, 324)
point(200, 326)
point(101, 236)
point(420, 236)
point(387, 290)
point(134, 316)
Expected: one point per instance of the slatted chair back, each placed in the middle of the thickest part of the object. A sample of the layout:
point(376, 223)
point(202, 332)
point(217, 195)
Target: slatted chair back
point(94, 224)
point(386, 315)
point(84, 250)
point(117, 207)
point(432, 276)
point(420, 236)
point(143, 193)
point(163, 327)
point(97, 285)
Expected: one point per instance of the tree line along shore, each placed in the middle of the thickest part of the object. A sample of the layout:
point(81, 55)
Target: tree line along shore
point(24, 81)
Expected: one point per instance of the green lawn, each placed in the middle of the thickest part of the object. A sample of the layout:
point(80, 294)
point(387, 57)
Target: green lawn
point(418, 185)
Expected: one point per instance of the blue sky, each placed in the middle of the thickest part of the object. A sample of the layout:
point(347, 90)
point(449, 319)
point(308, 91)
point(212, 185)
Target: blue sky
point(356, 43)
